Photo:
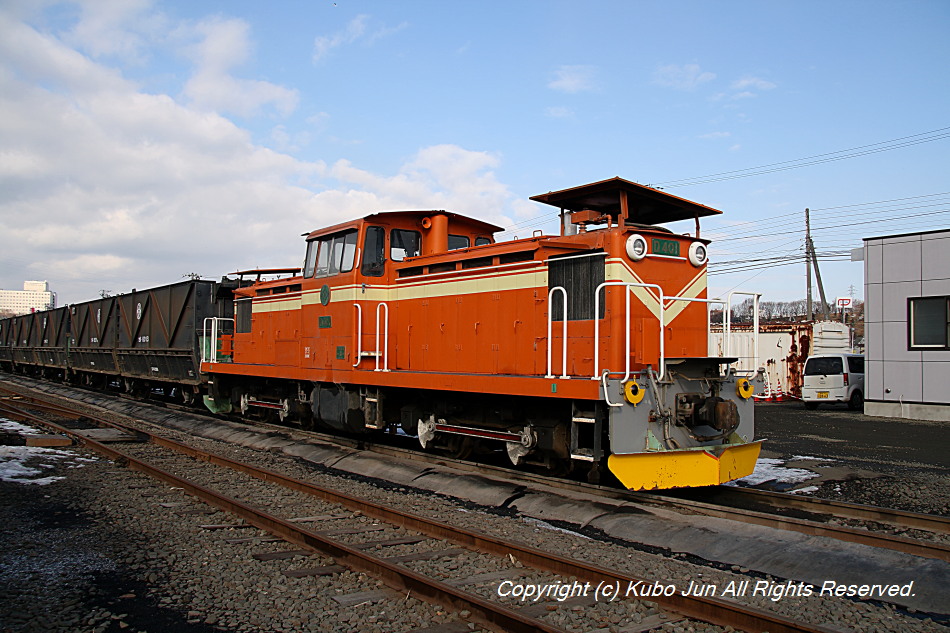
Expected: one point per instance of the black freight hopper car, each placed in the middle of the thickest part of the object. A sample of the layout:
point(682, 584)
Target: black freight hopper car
point(146, 339)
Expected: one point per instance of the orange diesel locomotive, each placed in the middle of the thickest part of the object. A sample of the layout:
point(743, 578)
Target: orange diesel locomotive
point(583, 349)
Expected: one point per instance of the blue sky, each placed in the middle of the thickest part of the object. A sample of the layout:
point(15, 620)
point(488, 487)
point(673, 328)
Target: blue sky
point(141, 141)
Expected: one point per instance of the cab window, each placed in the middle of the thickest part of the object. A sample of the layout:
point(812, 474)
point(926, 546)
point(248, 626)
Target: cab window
point(310, 262)
point(374, 252)
point(482, 241)
point(337, 253)
point(403, 244)
point(458, 241)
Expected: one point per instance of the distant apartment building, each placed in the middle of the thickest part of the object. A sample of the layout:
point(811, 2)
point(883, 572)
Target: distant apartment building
point(35, 296)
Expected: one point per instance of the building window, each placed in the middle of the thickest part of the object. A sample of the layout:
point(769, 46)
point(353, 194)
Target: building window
point(929, 323)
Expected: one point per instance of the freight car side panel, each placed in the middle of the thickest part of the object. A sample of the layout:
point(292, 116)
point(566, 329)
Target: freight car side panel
point(94, 331)
point(23, 352)
point(49, 339)
point(158, 331)
point(6, 349)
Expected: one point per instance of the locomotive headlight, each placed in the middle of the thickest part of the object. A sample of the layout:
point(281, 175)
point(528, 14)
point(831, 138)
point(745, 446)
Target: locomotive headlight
point(698, 254)
point(636, 247)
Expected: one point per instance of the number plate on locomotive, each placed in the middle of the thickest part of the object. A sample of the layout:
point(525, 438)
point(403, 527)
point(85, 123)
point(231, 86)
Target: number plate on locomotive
point(666, 247)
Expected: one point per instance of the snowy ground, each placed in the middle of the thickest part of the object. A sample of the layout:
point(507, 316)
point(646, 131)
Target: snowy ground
point(780, 475)
point(31, 464)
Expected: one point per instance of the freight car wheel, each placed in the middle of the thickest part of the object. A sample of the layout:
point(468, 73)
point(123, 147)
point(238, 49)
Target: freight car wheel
point(187, 395)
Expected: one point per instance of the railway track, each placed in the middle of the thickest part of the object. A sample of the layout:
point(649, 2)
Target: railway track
point(870, 525)
point(395, 573)
point(805, 515)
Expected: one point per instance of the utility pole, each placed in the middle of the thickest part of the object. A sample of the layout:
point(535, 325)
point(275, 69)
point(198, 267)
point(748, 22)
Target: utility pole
point(812, 259)
point(808, 305)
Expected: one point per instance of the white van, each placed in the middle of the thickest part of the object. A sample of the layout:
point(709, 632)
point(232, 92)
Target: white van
point(834, 378)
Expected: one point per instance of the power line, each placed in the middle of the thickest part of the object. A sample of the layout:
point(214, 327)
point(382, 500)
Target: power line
point(854, 152)
point(865, 204)
point(903, 217)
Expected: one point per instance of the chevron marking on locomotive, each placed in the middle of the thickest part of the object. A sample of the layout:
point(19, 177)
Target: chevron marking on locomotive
point(618, 270)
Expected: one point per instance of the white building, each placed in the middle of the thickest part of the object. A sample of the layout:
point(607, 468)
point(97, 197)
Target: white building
point(782, 350)
point(35, 296)
point(907, 325)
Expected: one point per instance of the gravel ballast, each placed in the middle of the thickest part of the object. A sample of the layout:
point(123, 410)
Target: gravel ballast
point(151, 567)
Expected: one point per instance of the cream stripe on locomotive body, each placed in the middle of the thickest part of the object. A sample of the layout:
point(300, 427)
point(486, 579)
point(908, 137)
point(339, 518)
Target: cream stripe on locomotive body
point(617, 270)
point(453, 346)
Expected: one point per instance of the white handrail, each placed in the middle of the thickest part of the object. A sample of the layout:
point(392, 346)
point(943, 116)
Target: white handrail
point(629, 286)
point(214, 338)
point(359, 334)
point(385, 352)
point(727, 318)
point(551, 292)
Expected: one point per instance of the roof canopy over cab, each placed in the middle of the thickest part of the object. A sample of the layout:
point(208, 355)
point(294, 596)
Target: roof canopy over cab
point(623, 201)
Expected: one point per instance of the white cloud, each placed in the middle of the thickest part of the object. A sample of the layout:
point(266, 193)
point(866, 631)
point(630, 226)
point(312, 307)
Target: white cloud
point(744, 88)
point(116, 28)
point(326, 43)
point(436, 177)
point(716, 135)
point(686, 77)
point(355, 31)
point(223, 45)
point(106, 186)
point(573, 79)
point(559, 112)
point(747, 83)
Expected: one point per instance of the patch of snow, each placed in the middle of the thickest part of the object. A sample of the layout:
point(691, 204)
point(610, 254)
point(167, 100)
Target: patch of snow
point(547, 526)
point(807, 490)
point(26, 464)
point(15, 427)
point(774, 470)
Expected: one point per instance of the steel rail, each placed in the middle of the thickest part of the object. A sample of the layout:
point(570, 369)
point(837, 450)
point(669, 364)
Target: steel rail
point(711, 610)
point(400, 578)
point(847, 534)
point(843, 509)
point(838, 509)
